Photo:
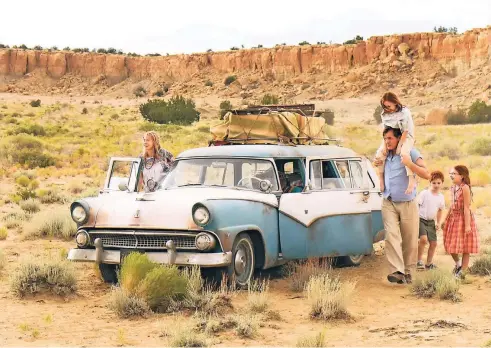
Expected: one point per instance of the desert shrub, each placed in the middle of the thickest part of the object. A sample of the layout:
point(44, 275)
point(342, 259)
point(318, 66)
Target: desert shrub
point(450, 150)
point(300, 273)
point(456, 117)
point(140, 91)
point(270, 99)
point(3, 261)
point(319, 340)
point(481, 178)
point(30, 206)
point(184, 335)
point(161, 286)
point(440, 29)
point(304, 43)
point(25, 187)
point(57, 224)
point(328, 115)
point(329, 297)
point(13, 220)
point(479, 112)
point(377, 114)
point(50, 196)
point(208, 83)
point(25, 150)
point(481, 265)
point(481, 147)
point(230, 79)
point(37, 276)
point(133, 270)
point(76, 187)
point(32, 129)
point(439, 283)
point(225, 105)
point(126, 305)
point(85, 111)
point(35, 103)
point(354, 40)
point(258, 296)
point(246, 325)
point(158, 93)
point(3, 233)
point(175, 111)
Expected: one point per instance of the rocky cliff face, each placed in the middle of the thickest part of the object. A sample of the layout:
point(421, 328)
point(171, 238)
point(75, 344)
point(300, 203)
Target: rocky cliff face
point(462, 51)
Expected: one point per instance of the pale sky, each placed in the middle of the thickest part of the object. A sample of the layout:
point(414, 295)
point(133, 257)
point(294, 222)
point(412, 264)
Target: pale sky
point(186, 26)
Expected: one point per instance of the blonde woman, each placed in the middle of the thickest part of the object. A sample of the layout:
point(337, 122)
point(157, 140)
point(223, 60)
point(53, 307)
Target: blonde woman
point(157, 162)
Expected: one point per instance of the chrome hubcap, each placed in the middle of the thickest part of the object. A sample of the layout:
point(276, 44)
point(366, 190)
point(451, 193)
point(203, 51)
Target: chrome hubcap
point(356, 258)
point(240, 261)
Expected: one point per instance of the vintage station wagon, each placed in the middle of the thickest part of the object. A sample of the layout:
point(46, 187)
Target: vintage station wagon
point(235, 207)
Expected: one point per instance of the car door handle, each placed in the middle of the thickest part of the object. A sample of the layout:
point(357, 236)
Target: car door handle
point(365, 192)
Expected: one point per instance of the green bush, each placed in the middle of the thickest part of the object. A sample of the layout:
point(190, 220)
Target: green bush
point(161, 286)
point(175, 111)
point(32, 129)
point(377, 114)
point(140, 91)
point(440, 29)
point(354, 40)
point(304, 43)
point(158, 93)
point(480, 146)
point(224, 107)
point(208, 83)
point(32, 277)
point(456, 117)
point(25, 150)
point(270, 99)
point(481, 265)
point(133, 270)
point(230, 79)
point(85, 111)
point(35, 103)
point(479, 112)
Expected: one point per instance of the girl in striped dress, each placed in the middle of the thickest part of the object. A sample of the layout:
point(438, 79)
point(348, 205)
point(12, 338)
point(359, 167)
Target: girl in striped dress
point(460, 231)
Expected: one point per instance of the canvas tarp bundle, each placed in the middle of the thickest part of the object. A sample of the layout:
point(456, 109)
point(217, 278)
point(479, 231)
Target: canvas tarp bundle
point(271, 128)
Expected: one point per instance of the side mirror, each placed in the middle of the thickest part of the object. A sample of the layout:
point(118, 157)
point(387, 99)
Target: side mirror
point(123, 186)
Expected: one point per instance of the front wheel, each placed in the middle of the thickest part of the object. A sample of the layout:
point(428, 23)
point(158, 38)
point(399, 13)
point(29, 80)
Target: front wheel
point(241, 269)
point(348, 261)
point(109, 273)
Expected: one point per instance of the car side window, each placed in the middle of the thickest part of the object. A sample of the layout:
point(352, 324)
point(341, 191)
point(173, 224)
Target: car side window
point(344, 172)
point(356, 174)
point(324, 175)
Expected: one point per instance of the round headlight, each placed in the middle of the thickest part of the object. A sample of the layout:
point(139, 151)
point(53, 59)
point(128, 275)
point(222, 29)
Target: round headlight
point(201, 216)
point(205, 241)
point(82, 238)
point(79, 214)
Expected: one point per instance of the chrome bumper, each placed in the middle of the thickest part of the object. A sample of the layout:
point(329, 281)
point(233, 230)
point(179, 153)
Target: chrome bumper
point(181, 258)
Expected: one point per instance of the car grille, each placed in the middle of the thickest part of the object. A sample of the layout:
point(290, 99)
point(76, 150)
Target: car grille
point(144, 240)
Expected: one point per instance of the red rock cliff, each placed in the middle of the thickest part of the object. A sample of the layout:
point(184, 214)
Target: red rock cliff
point(466, 50)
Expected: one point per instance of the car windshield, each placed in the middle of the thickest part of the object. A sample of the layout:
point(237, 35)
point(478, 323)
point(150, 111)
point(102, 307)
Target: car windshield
point(225, 172)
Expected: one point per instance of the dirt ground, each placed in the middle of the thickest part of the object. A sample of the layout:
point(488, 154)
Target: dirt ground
point(384, 314)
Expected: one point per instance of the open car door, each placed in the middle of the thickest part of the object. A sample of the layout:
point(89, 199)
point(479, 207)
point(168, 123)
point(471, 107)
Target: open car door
point(123, 174)
point(333, 218)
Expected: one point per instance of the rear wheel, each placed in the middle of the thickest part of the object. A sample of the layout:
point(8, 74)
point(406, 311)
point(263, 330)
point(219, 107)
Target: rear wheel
point(109, 273)
point(348, 261)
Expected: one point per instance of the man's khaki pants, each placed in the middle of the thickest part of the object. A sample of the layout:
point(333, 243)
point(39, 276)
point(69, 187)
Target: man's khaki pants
point(401, 223)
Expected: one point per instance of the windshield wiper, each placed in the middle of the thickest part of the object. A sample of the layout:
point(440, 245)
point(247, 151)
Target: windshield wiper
point(189, 185)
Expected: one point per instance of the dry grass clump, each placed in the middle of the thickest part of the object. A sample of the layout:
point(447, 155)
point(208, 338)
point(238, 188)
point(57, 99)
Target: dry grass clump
point(258, 296)
point(300, 273)
point(3, 233)
point(246, 325)
point(437, 283)
point(481, 178)
point(14, 220)
point(482, 264)
point(37, 276)
point(50, 196)
point(329, 297)
point(57, 224)
point(76, 187)
point(318, 340)
point(30, 206)
point(3, 261)
point(184, 334)
point(126, 305)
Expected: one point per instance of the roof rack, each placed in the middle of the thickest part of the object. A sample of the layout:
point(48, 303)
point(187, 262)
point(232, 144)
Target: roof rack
point(303, 109)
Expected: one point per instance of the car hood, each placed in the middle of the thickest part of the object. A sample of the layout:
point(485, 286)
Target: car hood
point(166, 209)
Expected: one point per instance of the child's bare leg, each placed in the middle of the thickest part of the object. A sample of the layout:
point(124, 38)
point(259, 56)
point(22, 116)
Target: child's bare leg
point(421, 246)
point(381, 155)
point(406, 151)
point(431, 252)
point(465, 261)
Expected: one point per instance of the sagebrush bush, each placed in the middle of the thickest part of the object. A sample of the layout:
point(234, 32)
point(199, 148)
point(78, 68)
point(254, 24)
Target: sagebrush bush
point(3, 233)
point(329, 297)
point(177, 110)
point(439, 283)
point(50, 196)
point(318, 340)
point(377, 114)
point(479, 112)
point(300, 273)
point(32, 129)
point(230, 79)
point(457, 117)
point(139, 91)
point(35, 103)
point(481, 147)
point(225, 105)
point(126, 305)
point(57, 224)
point(26, 150)
point(36, 276)
point(246, 325)
point(208, 83)
point(184, 335)
point(30, 206)
point(134, 269)
point(481, 265)
point(161, 286)
point(270, 99)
